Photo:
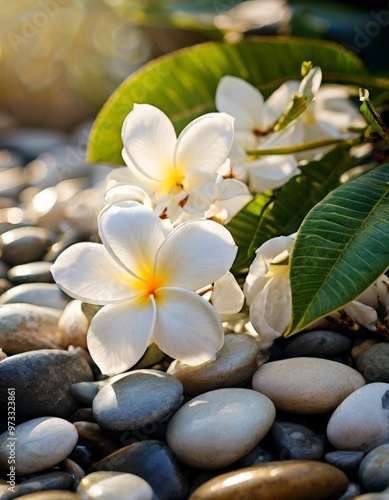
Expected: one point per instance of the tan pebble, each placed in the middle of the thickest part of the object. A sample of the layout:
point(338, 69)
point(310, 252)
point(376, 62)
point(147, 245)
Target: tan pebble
point(25, 327)
point(292, 480)
point(306, 385)
point(95, 477)
point(122, 486)
point(235, 362)
point(74, 324)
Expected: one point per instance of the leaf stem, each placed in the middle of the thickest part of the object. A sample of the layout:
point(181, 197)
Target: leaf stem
point(297, 148)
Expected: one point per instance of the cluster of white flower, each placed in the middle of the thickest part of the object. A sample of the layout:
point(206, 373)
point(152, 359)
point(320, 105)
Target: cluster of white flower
point(162, 269)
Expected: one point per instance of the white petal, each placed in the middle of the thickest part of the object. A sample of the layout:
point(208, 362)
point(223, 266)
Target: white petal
point(195, 254)
point(188, 328)
point(87, 272)
point(272, 172)
point(230, 188)
point(259, 269)
point(119, 335)
point(133, 236)
point(362, 314)
point(311, 83)
point(119, 175)
point(289, 136)
point(277, 103)
point(227, 296)
point(241, 100)
point(271, 311)
point(205, 143)
point(149, 140)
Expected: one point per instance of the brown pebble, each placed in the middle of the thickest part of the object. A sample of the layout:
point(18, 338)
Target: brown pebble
point(292, 480)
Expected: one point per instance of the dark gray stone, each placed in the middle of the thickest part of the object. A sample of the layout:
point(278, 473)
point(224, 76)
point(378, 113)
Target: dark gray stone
point(42, 381)
point(316, 344)
point(295, 442)
point(153, 461)
point(374, 363)
point(32, 272)
point(53, 480)
point(353, 489)
point(374, 469)
point(25, 244)
point(141, 398)
point(38, 294)
point(347, 461)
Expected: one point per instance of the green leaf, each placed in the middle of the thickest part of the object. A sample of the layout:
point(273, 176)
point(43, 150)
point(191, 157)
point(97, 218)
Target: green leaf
point(282, 213)
point(183, 83)
point(341, 249)
point(372, 116)
point(294, 110)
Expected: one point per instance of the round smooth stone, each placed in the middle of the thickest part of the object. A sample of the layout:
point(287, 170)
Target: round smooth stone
point(121, 486)
point(141, 398)
point(347, 461)
point(38, 294)
point(33, 272)
point(352, 491)
point(39, 444)
point(25, 244)
point(352, 425)
point(74, 324)
point(235, 362)
point(42, 381)
point(25, 327)
point(316, 344)
point(96, 477)
point(153, 461)
point(306, 385)
point(291, 479)
point(219, 427)
point(374, 469)
point(295, 441)
point(56, 480)
point(374, 363)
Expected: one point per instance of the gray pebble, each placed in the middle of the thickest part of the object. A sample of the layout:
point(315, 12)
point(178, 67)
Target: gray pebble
point(141, 398)
point(316, 344)
point(25, 244)
point(374, 469)
point(39, 294)
point(32, 272)
point(295, 442)
point(31, 142)
point(374, 363)
point(353, 489)
point(55, 480)
point(347, 461)
point(42, 381)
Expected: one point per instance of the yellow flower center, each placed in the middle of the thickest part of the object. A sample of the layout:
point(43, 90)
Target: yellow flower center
point(174, 180)
point(150, 285)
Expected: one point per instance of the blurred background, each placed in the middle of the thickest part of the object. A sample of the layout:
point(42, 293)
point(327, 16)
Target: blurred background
point(61, 59)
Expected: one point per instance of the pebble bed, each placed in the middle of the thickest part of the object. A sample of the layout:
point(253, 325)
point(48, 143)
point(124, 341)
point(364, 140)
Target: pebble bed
point(311, 423)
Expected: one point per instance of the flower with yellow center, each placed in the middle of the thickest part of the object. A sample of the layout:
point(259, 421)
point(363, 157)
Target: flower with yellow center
point(178, 173)
point(147, 283)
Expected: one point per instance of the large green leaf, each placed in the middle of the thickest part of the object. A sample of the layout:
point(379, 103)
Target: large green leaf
point(183, 83)
point(341, 249)
point(281, 214)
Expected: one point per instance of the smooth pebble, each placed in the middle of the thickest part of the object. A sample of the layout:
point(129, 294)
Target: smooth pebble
point(306, 385)
point(374, 363)
point(39, 294)
point(374, 469)
point(219, 427)
point(317, 344)
point(295, 441)
point(122, 486)
point(25, 244)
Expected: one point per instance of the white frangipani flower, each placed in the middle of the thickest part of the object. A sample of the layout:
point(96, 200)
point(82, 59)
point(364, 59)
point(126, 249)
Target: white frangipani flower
point(180, 175)
point(147, 284)
point(267, 289)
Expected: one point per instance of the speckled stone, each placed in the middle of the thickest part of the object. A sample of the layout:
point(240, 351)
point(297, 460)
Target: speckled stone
point(361, 421)
point(306, 385)
point(39, 444)
point(295, 442)
point(25, 327)
point(235, 363)
point(25, 244)
point(42, 381)
point(141, 398)
point(32, 272)
point(316, 344)
point(121, 486)
point(38, 294)
point(374, 469)
point(292, 480)
point(219, 427)
point(374, 363)
point(153, 461)
point(347, 461)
